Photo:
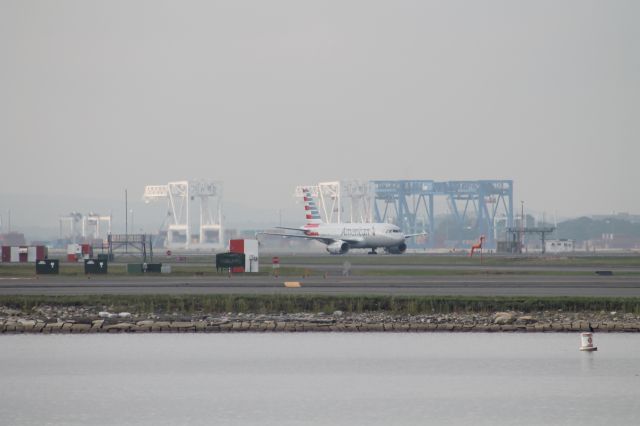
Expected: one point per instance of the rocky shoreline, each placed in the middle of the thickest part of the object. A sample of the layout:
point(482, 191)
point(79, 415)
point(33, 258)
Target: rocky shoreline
point(48, 320)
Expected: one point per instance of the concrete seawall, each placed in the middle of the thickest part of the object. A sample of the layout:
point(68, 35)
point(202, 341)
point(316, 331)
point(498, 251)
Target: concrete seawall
point(83, 319)
point(261, 326)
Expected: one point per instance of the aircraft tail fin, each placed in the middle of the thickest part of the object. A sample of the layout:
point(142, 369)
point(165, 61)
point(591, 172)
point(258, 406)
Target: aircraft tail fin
point(311, 209)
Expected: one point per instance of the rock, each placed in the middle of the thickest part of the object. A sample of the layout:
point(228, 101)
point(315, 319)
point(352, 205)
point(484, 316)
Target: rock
point(160, 325)
point(401, 327)
point(103, 314)
point(97, 324)
point(527, 319)
point(182, 325)
point(123, 326)
point(80, 328)
point(51, 326)
point(124, 315)
point(27, 323)
point(503, 318)
point(338, 313)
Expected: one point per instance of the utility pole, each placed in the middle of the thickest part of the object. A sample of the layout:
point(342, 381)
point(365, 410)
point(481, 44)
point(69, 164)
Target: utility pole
point(521, 225)
point(126, 221)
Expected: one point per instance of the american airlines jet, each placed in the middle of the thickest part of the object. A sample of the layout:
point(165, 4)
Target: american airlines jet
point(341, 237)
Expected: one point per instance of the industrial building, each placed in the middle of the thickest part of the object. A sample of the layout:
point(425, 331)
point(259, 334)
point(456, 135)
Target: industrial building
point(559, 246)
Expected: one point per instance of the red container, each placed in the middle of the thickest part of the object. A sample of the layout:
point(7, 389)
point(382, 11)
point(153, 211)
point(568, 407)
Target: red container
point(41, 252)
point(236, 246)
point(24, 254)
point(6, 253)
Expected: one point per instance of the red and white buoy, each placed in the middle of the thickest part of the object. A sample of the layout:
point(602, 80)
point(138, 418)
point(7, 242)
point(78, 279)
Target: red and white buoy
point(587, 342)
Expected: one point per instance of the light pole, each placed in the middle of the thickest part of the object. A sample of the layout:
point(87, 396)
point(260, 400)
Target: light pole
point(521, 225)
point(126, 221)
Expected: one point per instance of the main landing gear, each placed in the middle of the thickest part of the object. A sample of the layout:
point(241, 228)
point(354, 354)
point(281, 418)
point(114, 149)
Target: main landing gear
point(373, 251)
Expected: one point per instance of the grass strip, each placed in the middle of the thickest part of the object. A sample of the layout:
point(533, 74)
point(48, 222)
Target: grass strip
point(74, 270)
point(458, 260)
point(269, 304)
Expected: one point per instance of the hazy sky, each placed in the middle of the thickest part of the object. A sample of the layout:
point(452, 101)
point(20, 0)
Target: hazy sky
point(265, 95)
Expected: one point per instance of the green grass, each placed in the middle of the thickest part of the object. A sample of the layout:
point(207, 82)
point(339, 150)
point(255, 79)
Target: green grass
point(295, 265)
point(74, 270)
point(462, 260)
point(189, 304)
point(23, 270)
point(470, 272)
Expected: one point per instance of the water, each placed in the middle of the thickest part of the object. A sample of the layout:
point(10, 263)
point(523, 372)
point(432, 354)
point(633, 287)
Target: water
point(318, 379)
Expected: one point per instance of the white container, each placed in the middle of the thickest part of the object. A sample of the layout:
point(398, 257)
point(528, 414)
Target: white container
point(251, 259)
point(587, 342)
point(165, 269)
point(15, 254)
point(74, 249)
point(32, 254)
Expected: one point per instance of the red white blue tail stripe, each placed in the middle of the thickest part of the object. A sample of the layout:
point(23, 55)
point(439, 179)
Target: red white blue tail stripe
point(311, 210)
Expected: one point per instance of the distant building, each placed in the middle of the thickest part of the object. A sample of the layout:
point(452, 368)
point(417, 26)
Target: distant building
point(12, 239)
point(559, 246)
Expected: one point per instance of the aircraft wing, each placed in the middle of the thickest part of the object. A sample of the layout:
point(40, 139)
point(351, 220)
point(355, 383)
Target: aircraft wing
point(324, 240)
point(416, 235)
point(290, 229)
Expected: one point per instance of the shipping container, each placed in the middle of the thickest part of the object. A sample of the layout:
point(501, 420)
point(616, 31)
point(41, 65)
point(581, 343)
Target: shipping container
point(42, 252)
point(86, 251)
point(251, 255)
point(15, 254)
point(249, 247)
point(236, 246)
point(24, 254)
point(32, 254)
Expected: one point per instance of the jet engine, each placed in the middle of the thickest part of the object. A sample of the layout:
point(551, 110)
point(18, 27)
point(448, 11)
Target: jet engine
point(399, 249)
point(339, 247)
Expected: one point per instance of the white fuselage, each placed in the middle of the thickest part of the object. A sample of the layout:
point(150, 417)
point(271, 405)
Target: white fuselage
point(359, 235)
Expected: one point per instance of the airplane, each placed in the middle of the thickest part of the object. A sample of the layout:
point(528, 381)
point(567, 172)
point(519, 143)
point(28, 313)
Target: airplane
point(341, 237)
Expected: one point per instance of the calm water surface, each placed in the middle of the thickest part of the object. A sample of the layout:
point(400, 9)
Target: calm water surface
point(318, 379)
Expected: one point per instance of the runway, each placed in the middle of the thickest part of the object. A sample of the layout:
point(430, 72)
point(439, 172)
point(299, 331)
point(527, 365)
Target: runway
point(451, 285)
